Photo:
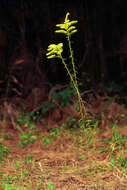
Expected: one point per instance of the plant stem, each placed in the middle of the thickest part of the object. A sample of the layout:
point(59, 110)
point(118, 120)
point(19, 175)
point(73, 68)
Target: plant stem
point(72, 59)
point(75, 82)
point(81, 104)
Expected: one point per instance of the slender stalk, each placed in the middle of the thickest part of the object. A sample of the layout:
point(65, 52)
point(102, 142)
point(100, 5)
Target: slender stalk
point(81, 104)
point(72, 58)
point(75, 82)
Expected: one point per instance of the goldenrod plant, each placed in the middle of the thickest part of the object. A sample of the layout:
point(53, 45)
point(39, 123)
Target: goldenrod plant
point(55, 51)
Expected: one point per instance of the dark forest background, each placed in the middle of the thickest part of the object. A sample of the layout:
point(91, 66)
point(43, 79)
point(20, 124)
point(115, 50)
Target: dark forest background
point(27, 28)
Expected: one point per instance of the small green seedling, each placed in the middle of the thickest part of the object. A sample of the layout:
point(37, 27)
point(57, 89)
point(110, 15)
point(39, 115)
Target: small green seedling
point(50, 185)
point(54, 132)
point(24, 172)
point(26, 139)
point(25, 119)
point(28, 158)
point(112, 161)
point(47, 141)
point(64, 96)
point(8, 179)
point(3, 152)
point(82, 157)
point(17, 165)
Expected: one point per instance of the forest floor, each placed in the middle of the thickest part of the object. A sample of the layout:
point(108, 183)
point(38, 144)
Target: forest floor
point(65, 156)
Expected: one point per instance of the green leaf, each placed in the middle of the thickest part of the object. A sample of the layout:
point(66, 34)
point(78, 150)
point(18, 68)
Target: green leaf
point(61, 31)
point(73, 32)
point(102, 149)
point(120, 159)
point(124, 163)
point(51, 56)
point(82, 157)
point(31, 126)
point(51, 46)
point(25, 143)
point(71, 121)
point(50, 53)
point(55, 95)
point(24, 137)
point(33, 139)
point(73, 22)
point(71, 28)
point(60, 46)
point(62, 26)
point(67, 103)
point(46, 140)
point(113, 162)
point(66, 18)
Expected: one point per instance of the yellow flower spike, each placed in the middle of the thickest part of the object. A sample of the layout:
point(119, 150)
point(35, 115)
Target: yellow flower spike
point(54, 50)
point(67, 27)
